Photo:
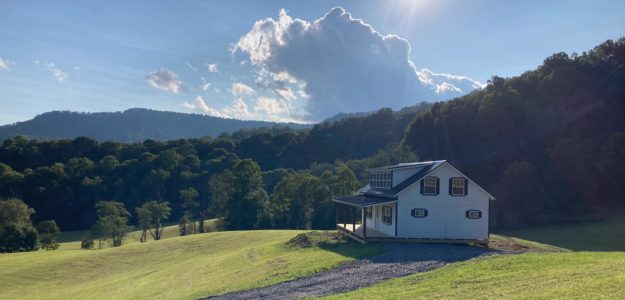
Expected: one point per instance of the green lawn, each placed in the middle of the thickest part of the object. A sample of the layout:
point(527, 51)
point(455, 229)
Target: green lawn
point(553, 268)
point(173, 268)
point(72, 239)
point(550, 275)
point(608, 235)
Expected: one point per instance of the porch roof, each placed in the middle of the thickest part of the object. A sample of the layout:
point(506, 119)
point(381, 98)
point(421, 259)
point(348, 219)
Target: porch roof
point(363, 200)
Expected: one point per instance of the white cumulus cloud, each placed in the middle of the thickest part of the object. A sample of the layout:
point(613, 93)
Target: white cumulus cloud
point(4, 65)
point(240, 89)
point(272, 106)
point(341, 64)
point(199, 104)
point(213, 68)
point(165, 80)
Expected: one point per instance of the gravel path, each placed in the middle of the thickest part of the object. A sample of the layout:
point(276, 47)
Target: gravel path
point(400, 260)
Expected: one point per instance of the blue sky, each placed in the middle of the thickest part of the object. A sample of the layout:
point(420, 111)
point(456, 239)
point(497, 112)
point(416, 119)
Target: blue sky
point(305, 64)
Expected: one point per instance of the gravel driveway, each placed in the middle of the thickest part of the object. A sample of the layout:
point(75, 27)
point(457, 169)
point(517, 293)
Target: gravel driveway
point(400, 260)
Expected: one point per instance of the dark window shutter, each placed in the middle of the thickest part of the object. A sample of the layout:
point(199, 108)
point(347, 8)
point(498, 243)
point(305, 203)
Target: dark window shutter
point(480, 214)
point(438, 185)
point(450, 179)
point(466, 186)
point(426, 213)
point(422, 186)
point(412, 212)
point(466, 213)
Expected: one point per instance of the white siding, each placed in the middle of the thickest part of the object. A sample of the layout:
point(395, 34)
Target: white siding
point(377, 218)
point(446, 214)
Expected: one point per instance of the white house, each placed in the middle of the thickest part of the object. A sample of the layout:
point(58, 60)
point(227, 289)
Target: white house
point(423, 201)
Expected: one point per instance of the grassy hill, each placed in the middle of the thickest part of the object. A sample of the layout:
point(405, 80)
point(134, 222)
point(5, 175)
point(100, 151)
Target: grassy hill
point(220, 262)
point(562, 275)
point(173, 268)
point(576, 261)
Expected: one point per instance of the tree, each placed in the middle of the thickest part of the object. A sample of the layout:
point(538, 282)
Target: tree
point(151, 216)
point(190, 206)
point(16, 239)
point(16, 230)
point(48, 232)
point(143, 218)
point(112, 222)
point(243, 196)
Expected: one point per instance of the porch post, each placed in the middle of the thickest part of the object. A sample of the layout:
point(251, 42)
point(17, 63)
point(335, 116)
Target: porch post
point(364, 222)
point(354, 218)
point(336, 214)
point(344, 217)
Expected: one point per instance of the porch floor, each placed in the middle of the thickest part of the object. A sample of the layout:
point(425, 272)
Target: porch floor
point(371, 232)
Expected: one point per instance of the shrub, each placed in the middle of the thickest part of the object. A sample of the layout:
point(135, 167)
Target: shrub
point(87, 244)
point(48, 231)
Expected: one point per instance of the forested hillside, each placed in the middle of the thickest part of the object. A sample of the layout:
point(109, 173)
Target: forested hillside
point(63, 179)
point(132, 125)
point(549, 143)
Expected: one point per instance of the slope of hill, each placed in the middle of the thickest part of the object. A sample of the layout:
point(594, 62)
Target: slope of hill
point(175, 268)
point(551, 142)
point(131, 125)
point(563, 275)
point(550, 271)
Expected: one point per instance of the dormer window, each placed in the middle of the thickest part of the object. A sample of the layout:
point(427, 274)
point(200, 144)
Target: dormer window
point(381, 180)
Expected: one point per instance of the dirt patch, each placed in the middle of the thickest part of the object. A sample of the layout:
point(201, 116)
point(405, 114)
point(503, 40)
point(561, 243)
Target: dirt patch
point(507, 244)
point(315, 239)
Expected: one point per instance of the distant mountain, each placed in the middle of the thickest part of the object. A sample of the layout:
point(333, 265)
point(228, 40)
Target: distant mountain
point(136, 124)
point(420, 107)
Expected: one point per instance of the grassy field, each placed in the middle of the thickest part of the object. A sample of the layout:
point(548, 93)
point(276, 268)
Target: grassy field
point(174, 268)
point(554, 269)
point(219, 262)
point(607, 235)
point(552, 275)
point(72, 239)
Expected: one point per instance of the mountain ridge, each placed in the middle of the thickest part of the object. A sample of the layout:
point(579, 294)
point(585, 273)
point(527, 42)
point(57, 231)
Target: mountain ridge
point(130, 125)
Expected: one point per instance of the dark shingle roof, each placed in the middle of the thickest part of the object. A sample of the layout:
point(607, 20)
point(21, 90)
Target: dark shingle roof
point(362, 200)
point(381, 193)
point(372, 196)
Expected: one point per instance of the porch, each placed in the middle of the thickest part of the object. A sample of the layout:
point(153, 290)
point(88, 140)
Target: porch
point(352, 220)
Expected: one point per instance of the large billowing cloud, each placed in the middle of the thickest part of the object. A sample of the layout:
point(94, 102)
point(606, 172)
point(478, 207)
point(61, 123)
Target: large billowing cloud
point(165, 80)
point(340, 64)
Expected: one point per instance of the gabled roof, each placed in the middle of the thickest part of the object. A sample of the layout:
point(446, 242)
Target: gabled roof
point(403, 166)
point(429, 166)
point(372, 196)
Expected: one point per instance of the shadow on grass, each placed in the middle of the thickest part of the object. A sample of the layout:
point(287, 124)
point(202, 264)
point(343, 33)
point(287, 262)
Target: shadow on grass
point(607, 235)
point(387, 252)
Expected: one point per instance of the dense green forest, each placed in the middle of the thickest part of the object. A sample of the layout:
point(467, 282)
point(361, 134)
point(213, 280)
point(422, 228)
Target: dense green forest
point(549, 144)
point(63, 179)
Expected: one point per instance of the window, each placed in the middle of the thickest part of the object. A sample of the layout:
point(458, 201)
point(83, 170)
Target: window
point(387, 215)
point(419, 212)
point(380, 180)
point(430, 185)
point(458, 186)
point(473, 214)
point(369, 212)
